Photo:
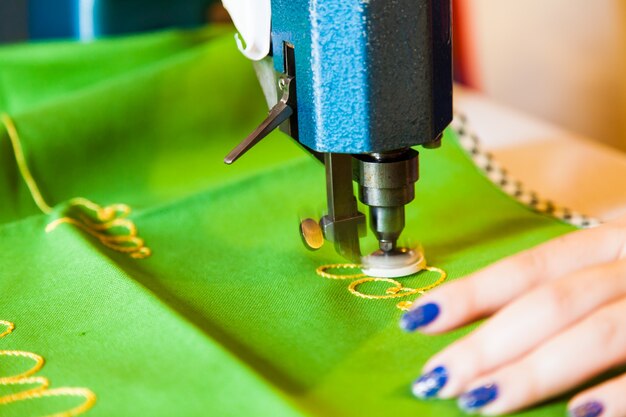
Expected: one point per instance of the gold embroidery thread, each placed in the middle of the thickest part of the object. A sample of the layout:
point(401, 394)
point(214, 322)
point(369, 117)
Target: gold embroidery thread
point(396, 290)
point(23, 166)
point(109, 224)
point(9, 327)
point(42, 390)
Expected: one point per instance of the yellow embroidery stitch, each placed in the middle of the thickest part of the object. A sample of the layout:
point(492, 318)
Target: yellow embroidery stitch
point(42, 390)
point(9, 327)
point(109, 224)
point(397, 290)
point(110, 221)
point(321, 271)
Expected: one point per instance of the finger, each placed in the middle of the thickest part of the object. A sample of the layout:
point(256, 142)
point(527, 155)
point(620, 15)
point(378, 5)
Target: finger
point(537, 316)
point(581, 352)
point(605, 400)
point(486, 291)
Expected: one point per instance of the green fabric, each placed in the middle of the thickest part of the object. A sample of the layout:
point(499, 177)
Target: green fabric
point(227, 317)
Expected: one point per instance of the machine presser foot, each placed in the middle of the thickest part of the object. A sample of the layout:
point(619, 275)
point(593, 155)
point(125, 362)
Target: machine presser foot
point(400, 262)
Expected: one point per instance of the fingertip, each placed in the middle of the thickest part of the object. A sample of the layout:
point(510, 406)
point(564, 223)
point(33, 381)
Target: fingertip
point(429, 384)
point(588, 408)
point(420, 317)
point(477, 399)
point(590, 403)
point(445, 309)
point(455, 375)
point(431, 318)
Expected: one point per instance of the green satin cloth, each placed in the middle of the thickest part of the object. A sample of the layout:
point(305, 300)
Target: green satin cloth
point(227, 317)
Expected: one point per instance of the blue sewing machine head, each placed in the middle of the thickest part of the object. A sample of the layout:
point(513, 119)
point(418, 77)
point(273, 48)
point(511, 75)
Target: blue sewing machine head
point(372, 76)
point(360, 83)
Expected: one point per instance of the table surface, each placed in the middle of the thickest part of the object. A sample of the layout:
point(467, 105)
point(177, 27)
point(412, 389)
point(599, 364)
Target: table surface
point(571, 170)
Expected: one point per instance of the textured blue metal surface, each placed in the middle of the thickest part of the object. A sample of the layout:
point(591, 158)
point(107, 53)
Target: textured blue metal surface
point(330, 70)
point(365, 71)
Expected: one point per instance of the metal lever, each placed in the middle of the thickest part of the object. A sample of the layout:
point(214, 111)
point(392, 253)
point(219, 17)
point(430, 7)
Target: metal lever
point(279, 113)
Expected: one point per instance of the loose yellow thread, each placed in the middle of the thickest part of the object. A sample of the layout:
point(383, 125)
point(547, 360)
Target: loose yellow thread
point(23, 166)
point(42, 390)
point(110, 224)
point(397, 290)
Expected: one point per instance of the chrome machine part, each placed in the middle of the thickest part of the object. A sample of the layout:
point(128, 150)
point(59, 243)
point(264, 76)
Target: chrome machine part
point(343, 225)
point(280, 113)
point(387, 184)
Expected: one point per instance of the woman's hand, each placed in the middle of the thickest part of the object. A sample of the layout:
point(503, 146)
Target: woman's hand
point(559, 319)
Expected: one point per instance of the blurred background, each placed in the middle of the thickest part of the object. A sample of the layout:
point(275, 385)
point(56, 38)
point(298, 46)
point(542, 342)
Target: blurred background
point(22, 20)
point(560, 60)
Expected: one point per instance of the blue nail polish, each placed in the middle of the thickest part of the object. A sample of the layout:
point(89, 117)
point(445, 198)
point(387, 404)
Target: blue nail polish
point(590, 409)
point(429, 384)
point(419, 317)
point(477, 398)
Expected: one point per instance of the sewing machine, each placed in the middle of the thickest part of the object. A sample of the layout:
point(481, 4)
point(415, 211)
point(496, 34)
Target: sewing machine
point(358, 84)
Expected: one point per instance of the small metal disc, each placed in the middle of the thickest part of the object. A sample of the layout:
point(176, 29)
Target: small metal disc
point(312, 234)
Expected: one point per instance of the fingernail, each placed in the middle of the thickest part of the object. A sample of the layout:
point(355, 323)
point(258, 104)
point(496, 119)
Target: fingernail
point(477, 398)
point(590, 409)
point(429, 384)
point(419, 317)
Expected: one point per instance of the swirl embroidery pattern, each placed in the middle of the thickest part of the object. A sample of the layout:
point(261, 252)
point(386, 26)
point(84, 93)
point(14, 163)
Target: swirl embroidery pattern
point(109, 224)
point(42, 389)
point(396, 290)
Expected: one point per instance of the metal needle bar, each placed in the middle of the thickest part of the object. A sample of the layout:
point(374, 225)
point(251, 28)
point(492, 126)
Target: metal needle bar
point(342, 222)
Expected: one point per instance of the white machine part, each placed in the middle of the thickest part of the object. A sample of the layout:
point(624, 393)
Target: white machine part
point(253, 19)
point(402, 263)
